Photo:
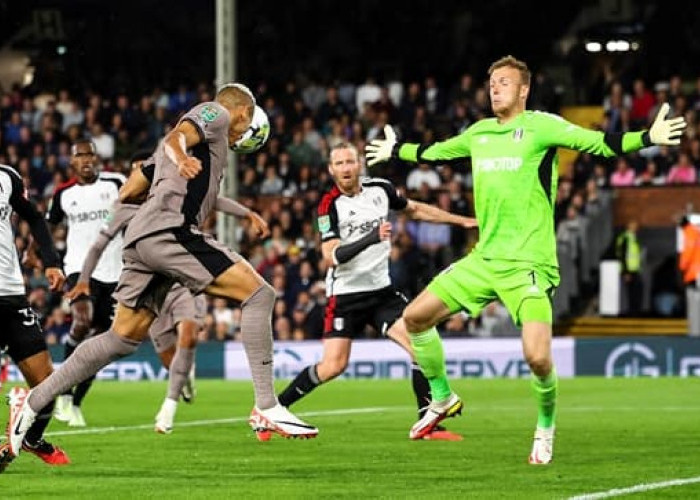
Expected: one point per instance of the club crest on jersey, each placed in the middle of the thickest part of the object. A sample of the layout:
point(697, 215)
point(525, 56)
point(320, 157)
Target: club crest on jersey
point(518, 134)
point(377, 200)
point(338, 323)
point(209, 113)
point(324, 223)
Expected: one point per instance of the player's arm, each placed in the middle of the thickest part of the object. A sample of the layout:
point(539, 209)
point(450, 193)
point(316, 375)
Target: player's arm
point(380, 150)
point(335, 253)
point(231, 207)
point(40, 233)
point(556, 131)
point(183, 137)
point(429, 213)
point(137, 185)
point(107, 233)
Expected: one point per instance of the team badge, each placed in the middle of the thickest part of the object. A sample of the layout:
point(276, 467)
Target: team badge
point(518, 134)
point(324, 223)
point(338, 323)
point(209, 113)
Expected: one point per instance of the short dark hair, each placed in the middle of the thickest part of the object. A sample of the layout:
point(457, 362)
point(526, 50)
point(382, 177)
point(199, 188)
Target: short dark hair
point(74, 146)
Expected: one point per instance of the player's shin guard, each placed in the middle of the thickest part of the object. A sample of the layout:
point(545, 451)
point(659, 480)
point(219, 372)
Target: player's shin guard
point(256, 331)
point(86, 361)
point(427, 348)
point(36, 431)
point(180, 368)
point(546, 393)
point(421, 388)
point(304, 383)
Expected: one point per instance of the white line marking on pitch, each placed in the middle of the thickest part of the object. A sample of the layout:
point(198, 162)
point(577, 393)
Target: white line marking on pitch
point(232, 420)
point(636, 489)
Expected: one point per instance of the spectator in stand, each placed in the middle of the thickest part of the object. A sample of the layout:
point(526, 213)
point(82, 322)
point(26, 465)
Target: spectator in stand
point(623, 174)
point(650, 176)
point(682, 172)
point(642, 103)
point(422, 174)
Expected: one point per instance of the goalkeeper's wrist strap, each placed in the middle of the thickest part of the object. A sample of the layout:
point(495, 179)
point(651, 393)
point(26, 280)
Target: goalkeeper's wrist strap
point(343, 253)
point(395, 150)
point(646, 139)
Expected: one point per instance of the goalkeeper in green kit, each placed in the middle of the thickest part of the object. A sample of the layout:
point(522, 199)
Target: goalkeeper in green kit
point(514, 166)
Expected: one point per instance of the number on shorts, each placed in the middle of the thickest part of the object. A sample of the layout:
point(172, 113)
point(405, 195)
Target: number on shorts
point(30, 316)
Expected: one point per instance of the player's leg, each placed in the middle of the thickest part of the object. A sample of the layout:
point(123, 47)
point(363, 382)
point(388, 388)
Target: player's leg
point(82, 314)
point(336, 352)
point(180, 369)
point(421, 388)
point(465, 285)
point(527, 295)
point(102, 315)
point(27, 348)
point(130, 327)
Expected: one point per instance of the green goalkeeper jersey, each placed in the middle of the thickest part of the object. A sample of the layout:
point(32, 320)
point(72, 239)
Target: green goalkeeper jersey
point(514, 166)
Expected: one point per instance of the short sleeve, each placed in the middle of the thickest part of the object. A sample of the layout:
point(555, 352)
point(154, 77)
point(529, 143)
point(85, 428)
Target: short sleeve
point(396, 200)
point(327, 219)
point(210, 119)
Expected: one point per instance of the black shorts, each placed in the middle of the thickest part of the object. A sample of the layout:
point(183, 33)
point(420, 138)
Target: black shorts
point(21, 335)
point(102, 301)
point(347, 315)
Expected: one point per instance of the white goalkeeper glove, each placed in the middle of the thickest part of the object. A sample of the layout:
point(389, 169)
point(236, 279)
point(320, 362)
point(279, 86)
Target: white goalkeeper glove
point(380, 150)
point(665, 132)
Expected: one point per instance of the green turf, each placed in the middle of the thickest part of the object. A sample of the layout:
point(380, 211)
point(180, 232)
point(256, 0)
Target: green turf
point(612, 433)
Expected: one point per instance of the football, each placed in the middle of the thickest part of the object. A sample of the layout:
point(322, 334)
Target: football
point(257, 134)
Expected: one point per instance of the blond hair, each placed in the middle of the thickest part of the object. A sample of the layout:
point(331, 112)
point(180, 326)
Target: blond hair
point(512, 62)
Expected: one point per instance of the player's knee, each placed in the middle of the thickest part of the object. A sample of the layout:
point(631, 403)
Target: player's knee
point(540, 363)
point(263, 297)
point(188, 334)
point(414, 320)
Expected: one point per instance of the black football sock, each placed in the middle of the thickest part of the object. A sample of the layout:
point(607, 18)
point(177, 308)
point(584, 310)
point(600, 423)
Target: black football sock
point(304, 383)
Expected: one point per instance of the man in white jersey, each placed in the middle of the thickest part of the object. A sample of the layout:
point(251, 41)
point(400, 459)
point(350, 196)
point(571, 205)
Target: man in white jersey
point(355, 234)
point(84, 203)
point(21, 336)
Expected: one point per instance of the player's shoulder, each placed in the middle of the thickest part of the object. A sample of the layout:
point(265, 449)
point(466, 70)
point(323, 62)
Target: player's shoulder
point(65, 186)
point(208, 111)
point(10, 172)
point(328, 199)
point(537, 116)
point(480, 126)
point(375, 182)
point(112, 177)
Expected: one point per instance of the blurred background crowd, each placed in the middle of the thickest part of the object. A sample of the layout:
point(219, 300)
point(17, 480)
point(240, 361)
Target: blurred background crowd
point(284, 181)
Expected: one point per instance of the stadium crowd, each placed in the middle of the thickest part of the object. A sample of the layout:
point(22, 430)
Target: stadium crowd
point(284, 181)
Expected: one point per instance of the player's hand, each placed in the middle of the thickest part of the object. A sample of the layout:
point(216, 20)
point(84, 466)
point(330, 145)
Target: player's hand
point(379, 150)
point(55, 277)
point(468, 222)
point(259, 224)
point(385, 231)
point(81, 289)
point(189, 167)
point(665, 132)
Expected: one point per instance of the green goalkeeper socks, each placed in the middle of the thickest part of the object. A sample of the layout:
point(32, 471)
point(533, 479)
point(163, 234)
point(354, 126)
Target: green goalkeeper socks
point(427, 348)
point(546, 394)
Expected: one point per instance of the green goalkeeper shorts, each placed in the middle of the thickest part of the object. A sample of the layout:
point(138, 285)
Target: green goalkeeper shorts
point(473, 282)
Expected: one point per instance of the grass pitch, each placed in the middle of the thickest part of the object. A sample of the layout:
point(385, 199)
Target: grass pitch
point(611, 433)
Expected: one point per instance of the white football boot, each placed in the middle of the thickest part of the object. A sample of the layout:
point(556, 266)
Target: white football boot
point(166, 417)
point(542, 447)
point(437, 412)
point(64, 408)
point(21, 418)
point(77, 419)
point(279, 420)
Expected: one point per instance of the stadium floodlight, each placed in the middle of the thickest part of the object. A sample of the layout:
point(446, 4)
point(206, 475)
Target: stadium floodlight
point(617, 46)
point(593, 47)
point(611, 46)
point(634, 45)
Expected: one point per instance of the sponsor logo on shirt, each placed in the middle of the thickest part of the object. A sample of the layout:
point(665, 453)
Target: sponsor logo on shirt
point(365, 227)
point(500, 164)
point(92, 215)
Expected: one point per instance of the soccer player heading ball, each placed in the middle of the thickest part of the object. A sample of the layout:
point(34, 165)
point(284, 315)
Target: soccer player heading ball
point(514, 162)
